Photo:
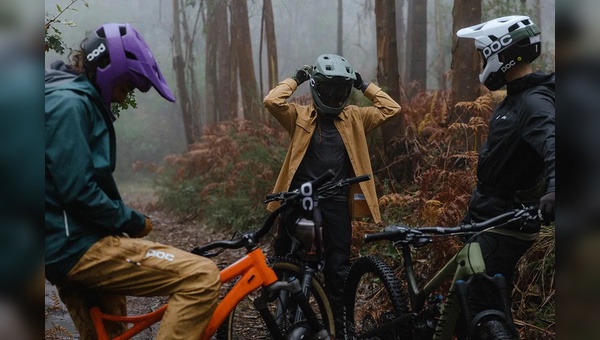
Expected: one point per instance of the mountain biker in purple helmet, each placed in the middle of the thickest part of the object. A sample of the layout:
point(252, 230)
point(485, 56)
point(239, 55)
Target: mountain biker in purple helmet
point(517, 162)
point(94, 247)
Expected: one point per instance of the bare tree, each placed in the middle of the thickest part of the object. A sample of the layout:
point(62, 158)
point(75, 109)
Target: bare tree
point(340, 28)
point(217, 62)
point(223, 62)
point(272, 66)
point(465, 59)
point(211, 29)
point(240, 36)
point(185, 74)
point(417, 46)
point(400, 35)
point(387, 60)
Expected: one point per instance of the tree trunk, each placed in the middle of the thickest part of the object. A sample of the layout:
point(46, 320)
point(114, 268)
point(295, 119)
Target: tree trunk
point(233, 67)
point(271, 44)
point(387, 61)
point(400, 31)
point(248, 85)
point(180, 65)
point(417, 46)
point(223, 62)
point(466, 63)
point(340, 28)
point(211, 84)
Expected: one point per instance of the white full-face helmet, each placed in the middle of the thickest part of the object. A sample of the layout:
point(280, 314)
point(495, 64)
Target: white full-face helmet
point(502, 43)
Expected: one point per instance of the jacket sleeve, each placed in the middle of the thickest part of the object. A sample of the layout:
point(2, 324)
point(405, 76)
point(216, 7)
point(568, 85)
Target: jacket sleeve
point(71, 170)
point(539, 132)
point(276, 103)
point(384, 108)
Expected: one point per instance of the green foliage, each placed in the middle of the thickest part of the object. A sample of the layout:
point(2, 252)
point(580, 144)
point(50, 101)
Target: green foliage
point(53, 36)
point(224, 178)
point(130, 102)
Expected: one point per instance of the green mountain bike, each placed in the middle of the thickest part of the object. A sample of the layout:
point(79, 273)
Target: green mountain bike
point(377, 306)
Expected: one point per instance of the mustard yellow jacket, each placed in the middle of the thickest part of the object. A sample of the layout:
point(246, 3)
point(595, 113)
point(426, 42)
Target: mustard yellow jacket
point(354, 124)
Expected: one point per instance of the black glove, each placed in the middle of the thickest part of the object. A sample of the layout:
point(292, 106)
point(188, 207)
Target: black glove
point(359, 84)
point(302, 74)
point(546, 210)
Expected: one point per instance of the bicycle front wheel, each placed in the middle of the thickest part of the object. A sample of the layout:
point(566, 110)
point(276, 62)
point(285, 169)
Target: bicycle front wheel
point(494, 330)
point(245, 322)
point(373, 297)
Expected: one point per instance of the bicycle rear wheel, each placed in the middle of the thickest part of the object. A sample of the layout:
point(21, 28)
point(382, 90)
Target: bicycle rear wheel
point(245, 322)
point(372, 297)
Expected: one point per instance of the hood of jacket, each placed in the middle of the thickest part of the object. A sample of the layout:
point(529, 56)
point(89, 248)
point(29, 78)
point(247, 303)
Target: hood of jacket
point(61, 77)
point(531, 80)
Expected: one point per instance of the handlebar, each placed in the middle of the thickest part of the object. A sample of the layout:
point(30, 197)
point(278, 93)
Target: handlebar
point(250, 239)
point(401, 232)
point(285, 195)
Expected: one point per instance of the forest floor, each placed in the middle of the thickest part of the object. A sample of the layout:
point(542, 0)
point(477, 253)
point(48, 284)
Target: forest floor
point(167, 230)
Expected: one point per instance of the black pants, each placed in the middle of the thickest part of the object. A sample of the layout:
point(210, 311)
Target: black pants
point(337, 234)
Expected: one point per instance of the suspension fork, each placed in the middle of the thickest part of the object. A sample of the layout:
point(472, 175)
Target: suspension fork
point(294, 289)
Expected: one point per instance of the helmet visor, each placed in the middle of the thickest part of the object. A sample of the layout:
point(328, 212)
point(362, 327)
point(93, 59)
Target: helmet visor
point(333, 95)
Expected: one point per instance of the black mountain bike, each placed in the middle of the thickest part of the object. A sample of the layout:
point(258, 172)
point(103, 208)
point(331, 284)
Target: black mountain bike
point(305, 258)
point(376, 305)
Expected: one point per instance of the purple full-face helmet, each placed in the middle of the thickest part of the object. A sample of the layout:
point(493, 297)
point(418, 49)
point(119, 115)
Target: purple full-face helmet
point(118, 53)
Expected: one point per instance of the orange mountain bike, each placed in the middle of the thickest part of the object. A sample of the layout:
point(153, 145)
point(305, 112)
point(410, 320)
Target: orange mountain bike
point(253, 274)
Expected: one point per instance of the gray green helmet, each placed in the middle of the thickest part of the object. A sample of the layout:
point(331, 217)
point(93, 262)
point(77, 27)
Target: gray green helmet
point(331, 83)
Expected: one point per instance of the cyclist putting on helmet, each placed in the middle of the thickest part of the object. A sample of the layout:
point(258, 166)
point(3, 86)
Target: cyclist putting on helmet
point(328, 134)
point(88, 257)
point(517, 162)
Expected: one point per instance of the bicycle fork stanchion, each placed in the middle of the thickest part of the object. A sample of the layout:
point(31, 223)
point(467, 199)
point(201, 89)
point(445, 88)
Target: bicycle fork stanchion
point(293, 287)
point(307, 277)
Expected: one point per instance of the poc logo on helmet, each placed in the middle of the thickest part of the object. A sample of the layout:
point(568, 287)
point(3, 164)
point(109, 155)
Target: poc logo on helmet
point(96, 52)
point(497, 46)
point(160, 255)
point(508, 66)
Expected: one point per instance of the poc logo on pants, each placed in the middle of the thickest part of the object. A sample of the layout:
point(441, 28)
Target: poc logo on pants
point(160, 255)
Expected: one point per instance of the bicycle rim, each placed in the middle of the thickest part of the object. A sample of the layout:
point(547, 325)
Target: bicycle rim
point(253, 327)
point(373, 296)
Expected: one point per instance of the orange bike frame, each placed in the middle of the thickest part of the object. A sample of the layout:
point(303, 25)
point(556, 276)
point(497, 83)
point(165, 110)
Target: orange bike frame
point(254, 273)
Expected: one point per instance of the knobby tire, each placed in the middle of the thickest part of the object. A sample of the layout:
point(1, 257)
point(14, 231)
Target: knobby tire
point(493, 330)
point(358, 316)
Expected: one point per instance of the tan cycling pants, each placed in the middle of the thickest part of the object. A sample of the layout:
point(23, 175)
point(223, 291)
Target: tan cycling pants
point(116, 267)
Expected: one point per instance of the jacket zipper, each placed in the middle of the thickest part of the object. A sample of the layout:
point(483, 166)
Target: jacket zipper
point(66, 223)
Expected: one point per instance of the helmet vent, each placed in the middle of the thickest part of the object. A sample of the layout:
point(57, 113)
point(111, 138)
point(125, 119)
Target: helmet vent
point(122, 30)
point(328, 68)
point(101, 33)
point(526, 22)
point(326, 57)
point(130, 55)
point(513, 27)
point(347, 69)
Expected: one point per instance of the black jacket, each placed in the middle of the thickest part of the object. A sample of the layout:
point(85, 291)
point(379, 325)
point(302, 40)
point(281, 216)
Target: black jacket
point(520, 149)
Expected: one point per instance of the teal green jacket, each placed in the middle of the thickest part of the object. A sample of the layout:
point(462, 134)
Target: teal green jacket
point(83, 203)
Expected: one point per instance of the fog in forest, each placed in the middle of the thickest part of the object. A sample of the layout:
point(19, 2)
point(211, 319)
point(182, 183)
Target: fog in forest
point(304, 29)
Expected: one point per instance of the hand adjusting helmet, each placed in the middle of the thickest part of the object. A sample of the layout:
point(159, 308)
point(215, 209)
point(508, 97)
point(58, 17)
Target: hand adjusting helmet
point(502, 43)
point(118, 53)
point(331, 83)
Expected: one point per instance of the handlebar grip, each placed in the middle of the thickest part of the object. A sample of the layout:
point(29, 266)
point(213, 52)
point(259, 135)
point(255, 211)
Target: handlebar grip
point(360, 178)
point(377, 237)
point(272, 196)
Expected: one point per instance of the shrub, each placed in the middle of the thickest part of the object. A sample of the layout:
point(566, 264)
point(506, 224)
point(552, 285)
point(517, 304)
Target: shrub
point(224, 178)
